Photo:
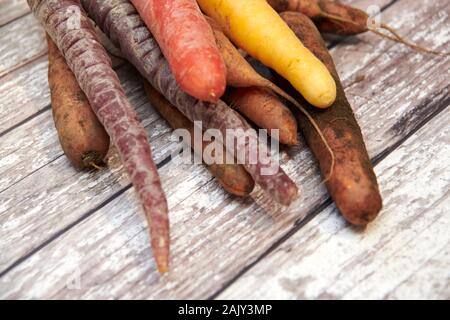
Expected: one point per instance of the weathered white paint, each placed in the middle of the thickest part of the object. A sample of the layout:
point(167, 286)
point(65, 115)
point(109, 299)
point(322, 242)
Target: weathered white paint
point(402, 255)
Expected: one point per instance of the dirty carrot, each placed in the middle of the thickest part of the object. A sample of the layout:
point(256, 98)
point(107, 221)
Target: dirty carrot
point(338, 18)
point(119, 20)
point(82, 137)
point(73, 33)
point(232, 177)
point(257, 28)
point(266, 110)
point(188, 44)
point(353, 184)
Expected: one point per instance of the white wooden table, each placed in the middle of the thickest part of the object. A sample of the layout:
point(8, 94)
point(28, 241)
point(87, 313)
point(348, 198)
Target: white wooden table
point(71, 234)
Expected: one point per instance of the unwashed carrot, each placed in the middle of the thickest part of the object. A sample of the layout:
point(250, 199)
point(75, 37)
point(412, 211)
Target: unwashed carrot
point(232, 177)
point(120, 21)
point(353, 184)
point(267, 111)
point(73, 33)
point(188, 44)
point(82, 137)
point(338, 18)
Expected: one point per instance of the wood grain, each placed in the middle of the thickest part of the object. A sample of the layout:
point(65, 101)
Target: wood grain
point(403, 255)
point(16, 51)
point(214, 235)
point(23, 93)
point(12, 9)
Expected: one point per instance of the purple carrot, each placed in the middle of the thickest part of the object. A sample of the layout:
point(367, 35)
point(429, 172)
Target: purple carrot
point(73, 33)
point(121, 22)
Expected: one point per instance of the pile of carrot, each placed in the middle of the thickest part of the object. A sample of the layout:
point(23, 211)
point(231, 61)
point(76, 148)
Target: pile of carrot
point(191, 54)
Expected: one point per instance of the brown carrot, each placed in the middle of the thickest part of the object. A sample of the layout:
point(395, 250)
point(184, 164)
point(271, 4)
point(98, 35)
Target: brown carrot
point(266, 110)
point(337, 18)
point(232, 177)
point(353, 185)
point(82, 137)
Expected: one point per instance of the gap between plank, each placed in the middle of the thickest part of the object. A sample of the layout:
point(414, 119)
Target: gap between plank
point(442, 105)
point(83, 217)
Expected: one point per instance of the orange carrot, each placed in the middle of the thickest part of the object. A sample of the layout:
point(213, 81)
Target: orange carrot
point(266, 110)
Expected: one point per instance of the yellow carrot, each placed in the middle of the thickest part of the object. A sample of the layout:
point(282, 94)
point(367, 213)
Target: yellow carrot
point(259, 30)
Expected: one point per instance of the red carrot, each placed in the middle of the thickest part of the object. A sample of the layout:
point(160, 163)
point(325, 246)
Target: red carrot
point(187, 41)
point(74, 35)
point(122, 24)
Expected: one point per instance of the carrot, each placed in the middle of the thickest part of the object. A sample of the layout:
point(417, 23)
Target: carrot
point(265, 110)
point(256, 27)
point(232, 177)
point(353, 185)
point(338, 18)
point(73, 33)
point(241, 74)
point(119, 20)
point(188, 44)
point(82, 137)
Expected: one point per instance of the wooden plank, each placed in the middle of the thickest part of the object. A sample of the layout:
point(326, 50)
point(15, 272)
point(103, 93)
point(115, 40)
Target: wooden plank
point(21, 42)
point(12, 9)
point(246, 228)
point(27, 152)
point(403, 255)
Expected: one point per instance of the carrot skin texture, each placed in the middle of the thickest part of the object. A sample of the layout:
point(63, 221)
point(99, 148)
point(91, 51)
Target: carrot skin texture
point(82, 137)
point(353, 185)
point(188, 44)
point(121, 22)
point(232, 177)
point(317, 9)
point(73, 33)
point(267, 111)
